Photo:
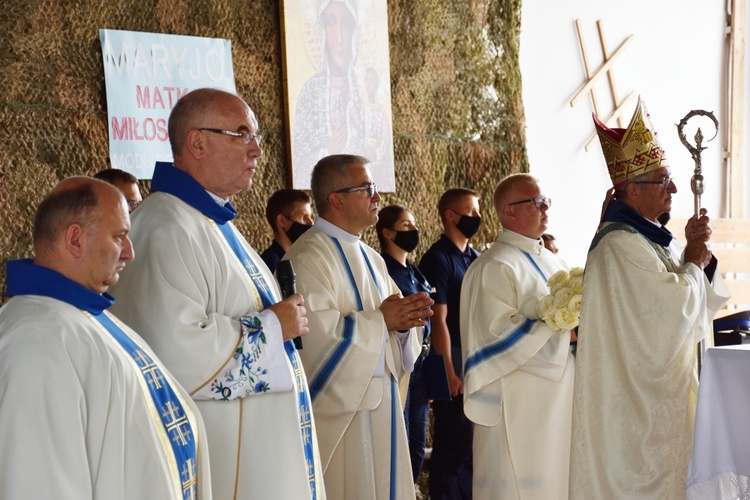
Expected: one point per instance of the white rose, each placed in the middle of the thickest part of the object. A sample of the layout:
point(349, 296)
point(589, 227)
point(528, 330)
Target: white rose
point(574, 305)
point(563, 296)
point(576, 272)
point(545, 307)
point(557, 280)
point(565, 320)
point(551, 323)
point(576, 284)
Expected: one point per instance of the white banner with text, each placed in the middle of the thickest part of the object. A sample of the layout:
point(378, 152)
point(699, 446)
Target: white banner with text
point(145, 75)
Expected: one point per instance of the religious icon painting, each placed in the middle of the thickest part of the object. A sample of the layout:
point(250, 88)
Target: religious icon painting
point(338, 93)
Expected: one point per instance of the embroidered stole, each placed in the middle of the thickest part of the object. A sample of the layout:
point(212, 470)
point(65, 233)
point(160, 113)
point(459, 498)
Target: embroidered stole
point(264, 298)
point(329, 366)
point(167, 410)
point(338, 353)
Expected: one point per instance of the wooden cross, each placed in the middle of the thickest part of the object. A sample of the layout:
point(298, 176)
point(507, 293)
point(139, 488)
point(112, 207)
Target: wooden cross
point(605, 68)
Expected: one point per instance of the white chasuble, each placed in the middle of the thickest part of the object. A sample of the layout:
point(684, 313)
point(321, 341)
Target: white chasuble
point(76, 418)
point(518, 382)
point(193, 301)
point(354, 365)
point(642, 316)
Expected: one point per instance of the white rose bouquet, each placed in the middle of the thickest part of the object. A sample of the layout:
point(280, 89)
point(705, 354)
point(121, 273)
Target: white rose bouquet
point(561, 309)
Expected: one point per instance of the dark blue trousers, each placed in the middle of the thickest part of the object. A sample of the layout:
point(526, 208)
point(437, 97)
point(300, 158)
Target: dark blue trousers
point(451, 461)
point(416, 415)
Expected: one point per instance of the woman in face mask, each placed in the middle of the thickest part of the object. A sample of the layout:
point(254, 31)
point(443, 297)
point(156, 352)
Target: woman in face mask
point(399, 236)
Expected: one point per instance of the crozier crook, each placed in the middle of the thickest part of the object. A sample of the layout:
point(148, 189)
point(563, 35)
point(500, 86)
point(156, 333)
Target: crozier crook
point(696, 182)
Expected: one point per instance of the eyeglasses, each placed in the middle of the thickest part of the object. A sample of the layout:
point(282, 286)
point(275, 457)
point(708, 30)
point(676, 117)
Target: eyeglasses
point(664, 182)
point(538, 202)
point(370, 188)
point(246, 137)
point(133, 204)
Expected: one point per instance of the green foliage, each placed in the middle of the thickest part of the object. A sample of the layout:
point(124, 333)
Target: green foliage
point(455, 85)
point(458, 113)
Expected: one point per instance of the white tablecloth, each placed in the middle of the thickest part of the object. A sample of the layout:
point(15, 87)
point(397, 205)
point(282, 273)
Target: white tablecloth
point(720, 463)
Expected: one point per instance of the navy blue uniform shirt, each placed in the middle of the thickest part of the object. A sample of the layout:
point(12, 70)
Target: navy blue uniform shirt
point(409, 280)
point(444, 266)
point(272, 255)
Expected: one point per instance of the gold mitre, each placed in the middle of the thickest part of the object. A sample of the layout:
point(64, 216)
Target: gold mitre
point(632, 151)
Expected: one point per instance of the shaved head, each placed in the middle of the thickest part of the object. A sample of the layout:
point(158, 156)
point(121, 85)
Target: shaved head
point(191, 110)
point(73, 201)
point(505, 192)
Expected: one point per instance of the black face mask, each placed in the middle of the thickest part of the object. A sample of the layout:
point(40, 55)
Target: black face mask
point(407, 240)
point(469, 225)
point(296, 230)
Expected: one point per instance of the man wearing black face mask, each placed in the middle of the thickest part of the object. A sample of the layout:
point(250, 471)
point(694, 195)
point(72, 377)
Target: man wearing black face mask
point(289, 214)
point(444, 265)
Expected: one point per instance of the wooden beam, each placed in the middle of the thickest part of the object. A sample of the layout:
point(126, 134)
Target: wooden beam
point(611, 77)
point(586, 64)
point(737, 109)
point(616, 114)
point(726, 232)
point(602, 69)
point(730, 243)
point(734, 260)
point(740, 290)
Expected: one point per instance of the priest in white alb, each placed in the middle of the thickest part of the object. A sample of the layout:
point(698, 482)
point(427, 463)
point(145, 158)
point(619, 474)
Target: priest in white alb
point(644, 311)
point(363, 338)
point(211, 309)
point(518, 371)
point(87, 410)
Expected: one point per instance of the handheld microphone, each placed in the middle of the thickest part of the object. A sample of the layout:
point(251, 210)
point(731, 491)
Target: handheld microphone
point(288, 285)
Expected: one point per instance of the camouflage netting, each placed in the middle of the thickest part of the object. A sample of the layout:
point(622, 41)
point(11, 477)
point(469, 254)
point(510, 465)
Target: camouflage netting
point(455, 84)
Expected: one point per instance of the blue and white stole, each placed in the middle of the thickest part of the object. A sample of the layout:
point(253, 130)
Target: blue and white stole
point(267, 299)
point(515, 336)
point(321, 378)
point(170, 408)
point(170, 415)
point(177, 183)
point(331, 364)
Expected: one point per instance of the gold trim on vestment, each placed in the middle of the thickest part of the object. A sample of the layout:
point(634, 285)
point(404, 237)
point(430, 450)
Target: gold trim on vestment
point(153, 411)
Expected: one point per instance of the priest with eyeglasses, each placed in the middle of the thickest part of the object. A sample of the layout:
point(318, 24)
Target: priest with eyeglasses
point(364, 337)
point(518, 370)
point(212, 310)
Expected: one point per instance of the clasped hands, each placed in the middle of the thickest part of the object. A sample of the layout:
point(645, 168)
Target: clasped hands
point(401, 313)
